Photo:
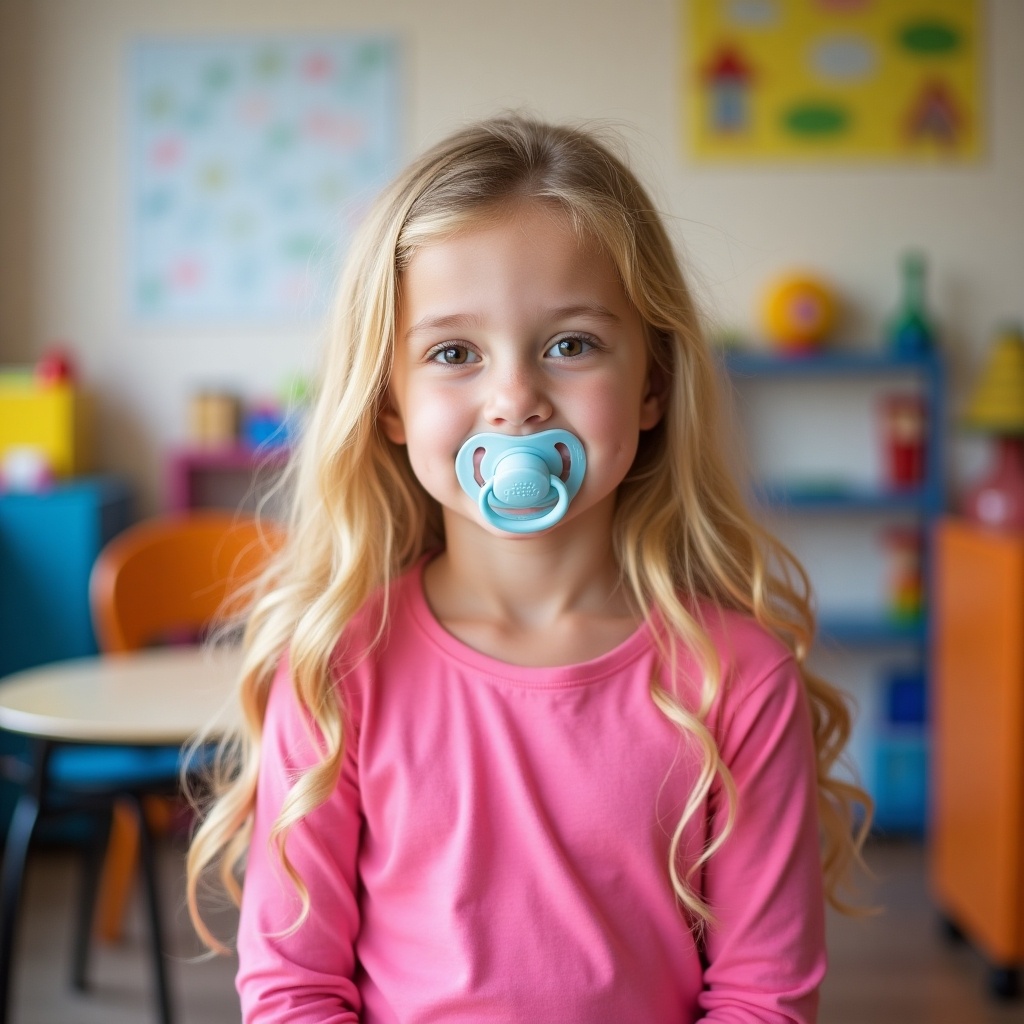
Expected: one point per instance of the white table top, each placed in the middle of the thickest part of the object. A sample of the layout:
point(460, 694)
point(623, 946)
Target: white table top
point(161, 696)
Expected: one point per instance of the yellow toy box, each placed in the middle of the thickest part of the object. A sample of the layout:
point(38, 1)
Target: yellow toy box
point(49, 417)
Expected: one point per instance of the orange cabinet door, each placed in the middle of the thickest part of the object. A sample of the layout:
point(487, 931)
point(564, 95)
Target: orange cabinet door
point(977, 856)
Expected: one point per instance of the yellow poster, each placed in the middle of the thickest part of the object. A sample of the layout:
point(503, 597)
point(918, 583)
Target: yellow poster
point(846, 80)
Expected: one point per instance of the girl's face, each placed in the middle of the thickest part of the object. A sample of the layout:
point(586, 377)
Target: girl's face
point(515, 326)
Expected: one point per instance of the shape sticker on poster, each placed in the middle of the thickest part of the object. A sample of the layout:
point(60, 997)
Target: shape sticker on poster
point(251, 162)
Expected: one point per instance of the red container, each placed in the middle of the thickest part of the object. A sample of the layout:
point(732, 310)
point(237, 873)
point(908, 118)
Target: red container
point(904, 424)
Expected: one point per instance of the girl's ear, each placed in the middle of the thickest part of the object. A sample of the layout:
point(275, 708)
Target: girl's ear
point(652, 406)
point(390, 420)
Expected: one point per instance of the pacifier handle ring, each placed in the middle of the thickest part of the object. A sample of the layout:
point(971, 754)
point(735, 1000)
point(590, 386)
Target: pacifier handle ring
point(552, 516)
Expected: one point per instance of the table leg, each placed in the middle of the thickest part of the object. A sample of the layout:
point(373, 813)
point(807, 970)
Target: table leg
point(19, 837)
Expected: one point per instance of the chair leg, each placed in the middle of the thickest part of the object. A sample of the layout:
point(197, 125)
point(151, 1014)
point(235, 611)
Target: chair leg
point(12, 877)
point(122, 861)
point(118, 874)
point(157, 944)
point(19, 837)
point(92, 863)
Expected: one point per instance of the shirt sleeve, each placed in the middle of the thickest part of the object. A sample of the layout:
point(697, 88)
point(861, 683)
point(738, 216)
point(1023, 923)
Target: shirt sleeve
point(307, 974)
point(766, 953)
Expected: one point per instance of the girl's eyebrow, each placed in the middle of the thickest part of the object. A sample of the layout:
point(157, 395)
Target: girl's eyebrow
point(593, 310)
point(450, 321)
point(465, 321)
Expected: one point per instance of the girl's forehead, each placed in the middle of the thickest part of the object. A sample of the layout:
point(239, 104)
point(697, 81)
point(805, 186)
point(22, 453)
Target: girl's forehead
point(509, 218)
point(532, 248)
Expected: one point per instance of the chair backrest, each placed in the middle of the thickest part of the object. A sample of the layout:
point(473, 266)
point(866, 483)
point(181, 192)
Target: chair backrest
point(174, 575)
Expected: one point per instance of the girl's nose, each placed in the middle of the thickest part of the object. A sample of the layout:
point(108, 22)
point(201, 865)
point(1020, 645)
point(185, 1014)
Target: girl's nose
point(517, 399)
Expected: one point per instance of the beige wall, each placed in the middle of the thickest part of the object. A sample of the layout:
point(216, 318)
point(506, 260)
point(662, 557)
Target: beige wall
point(63, 189)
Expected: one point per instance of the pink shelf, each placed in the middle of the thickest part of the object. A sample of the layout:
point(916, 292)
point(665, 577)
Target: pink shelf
point(217, 476)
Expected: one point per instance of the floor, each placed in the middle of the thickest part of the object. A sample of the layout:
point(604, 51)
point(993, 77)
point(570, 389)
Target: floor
point(893, 969)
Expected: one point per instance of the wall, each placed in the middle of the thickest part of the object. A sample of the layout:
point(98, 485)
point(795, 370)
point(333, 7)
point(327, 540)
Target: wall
point(63, 190)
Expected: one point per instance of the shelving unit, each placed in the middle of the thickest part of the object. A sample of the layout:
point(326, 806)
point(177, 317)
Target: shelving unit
point(790, 497)
point(226, 476)
point(830, 499)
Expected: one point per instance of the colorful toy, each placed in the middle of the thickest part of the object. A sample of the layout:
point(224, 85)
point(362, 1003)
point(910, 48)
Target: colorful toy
point(911, 331)
point(905, 546)
point(997, 408)
point(25, 471)
point(55, 366)
point(265, 425)
point(904, 429)
point(42, 410)
point(271, 422)
point(213, 419)
point(799, 313)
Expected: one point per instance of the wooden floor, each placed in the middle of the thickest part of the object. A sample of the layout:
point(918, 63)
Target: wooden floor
point(893, 969)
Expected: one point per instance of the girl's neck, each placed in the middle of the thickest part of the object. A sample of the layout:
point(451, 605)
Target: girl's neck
point(550, 600)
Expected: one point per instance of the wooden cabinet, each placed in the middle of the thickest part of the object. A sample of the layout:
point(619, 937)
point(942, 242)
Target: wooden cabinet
point(977, 849)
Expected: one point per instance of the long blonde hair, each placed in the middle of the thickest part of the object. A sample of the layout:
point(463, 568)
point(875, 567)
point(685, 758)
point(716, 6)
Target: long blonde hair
point(359, 517)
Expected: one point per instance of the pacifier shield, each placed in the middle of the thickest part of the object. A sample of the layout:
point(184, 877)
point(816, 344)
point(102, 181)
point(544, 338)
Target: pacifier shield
point(522, 489)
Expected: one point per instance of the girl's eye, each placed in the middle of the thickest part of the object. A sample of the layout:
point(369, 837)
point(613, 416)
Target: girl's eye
point(566, 348)
point(453, 355)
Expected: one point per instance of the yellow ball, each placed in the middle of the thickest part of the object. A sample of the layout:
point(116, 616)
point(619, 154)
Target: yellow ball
point(799, 312)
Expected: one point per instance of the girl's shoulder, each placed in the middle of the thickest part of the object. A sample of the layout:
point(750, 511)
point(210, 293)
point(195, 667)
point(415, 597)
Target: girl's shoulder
point(740, 637)
point(751, 657)
point(370, 630)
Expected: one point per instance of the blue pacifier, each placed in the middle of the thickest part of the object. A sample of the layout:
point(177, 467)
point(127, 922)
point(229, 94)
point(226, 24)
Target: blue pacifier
point(522, 489)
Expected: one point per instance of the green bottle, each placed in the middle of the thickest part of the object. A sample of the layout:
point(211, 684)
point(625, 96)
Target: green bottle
point(911, 331)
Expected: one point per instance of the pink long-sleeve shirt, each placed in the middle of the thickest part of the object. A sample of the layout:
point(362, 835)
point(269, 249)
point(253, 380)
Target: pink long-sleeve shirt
point(496, 849)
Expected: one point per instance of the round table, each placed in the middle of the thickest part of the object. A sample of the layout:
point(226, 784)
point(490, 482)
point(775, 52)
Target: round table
point(155, 697)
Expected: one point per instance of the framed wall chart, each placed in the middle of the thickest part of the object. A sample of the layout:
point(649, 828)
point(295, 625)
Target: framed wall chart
point(251, 159)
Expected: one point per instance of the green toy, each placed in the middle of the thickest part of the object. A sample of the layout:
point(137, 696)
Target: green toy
point(911, 331)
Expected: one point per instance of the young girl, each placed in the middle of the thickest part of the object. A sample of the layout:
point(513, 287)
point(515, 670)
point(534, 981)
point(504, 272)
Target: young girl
point(527, 732)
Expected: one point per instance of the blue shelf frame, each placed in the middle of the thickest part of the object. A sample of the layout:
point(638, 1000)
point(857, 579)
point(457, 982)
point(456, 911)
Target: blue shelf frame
point(839, 632)
point(927, 502)
point(843, 499)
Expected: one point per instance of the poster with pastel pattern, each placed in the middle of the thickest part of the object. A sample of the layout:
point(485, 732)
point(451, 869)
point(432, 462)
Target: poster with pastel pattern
point(252, 159)
point(827, 80)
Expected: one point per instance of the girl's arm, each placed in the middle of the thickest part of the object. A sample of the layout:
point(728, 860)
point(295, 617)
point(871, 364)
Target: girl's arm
point(766, 954)
point(305, 976)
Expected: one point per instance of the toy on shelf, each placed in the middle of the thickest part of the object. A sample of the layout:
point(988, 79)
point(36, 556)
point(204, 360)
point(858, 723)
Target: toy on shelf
point(265, 425)
point(55, 366)
point(44, 423)
point(272, 422)
point(799, 313)
point(903, 417)
point(911, 331)
point(213, 418)
point(997, 408)
point(26, 470)
point(905, 547)
point(221, 420)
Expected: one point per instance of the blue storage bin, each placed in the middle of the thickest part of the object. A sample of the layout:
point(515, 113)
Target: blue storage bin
point(48, 544)
point(906, 701)
point(901, 782)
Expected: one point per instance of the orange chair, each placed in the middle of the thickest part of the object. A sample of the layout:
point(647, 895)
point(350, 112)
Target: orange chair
point(174, 575)
point(166, 579)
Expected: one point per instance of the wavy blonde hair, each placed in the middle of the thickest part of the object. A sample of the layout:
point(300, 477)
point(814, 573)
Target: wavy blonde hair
point(360, 518)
